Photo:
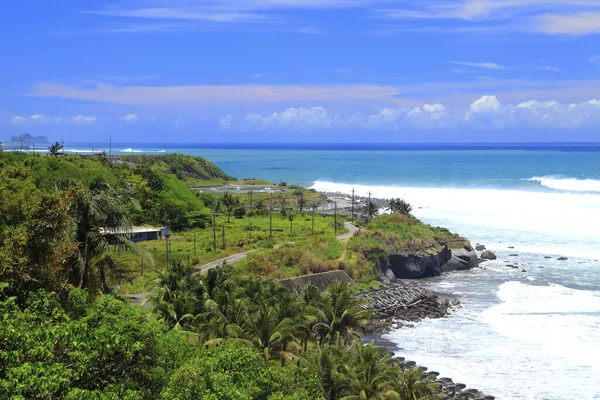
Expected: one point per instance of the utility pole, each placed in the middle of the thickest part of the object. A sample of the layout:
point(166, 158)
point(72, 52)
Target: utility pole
point(335, 217)
point(223, 236)
point(62, 144)
point(352, 205)
point(369, 209)
point(270, 214)
point(251, 200)
point(167, 241)
point(214, 232)
point(110, 146)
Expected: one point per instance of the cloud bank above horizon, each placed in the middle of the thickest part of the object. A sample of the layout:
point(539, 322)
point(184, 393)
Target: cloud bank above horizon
point(485, 113)
point(307, 70)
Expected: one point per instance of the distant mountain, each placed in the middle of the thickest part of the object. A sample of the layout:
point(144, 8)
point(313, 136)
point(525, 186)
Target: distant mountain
point(28, 139)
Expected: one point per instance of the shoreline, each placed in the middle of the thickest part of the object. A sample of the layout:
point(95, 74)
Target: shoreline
point(431, 305)
point(402, 304)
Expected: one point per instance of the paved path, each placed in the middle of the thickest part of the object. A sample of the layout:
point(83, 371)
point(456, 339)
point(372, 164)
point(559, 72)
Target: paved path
point(351, 231)
point(234, 258)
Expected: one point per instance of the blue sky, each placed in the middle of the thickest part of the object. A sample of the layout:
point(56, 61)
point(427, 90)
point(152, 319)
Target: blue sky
point(301, 70)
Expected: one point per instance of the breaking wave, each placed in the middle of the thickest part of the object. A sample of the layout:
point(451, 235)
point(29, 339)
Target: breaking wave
point(560, 182)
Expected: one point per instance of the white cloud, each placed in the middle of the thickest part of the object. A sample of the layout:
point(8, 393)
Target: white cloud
point(549, 68)
point(297, 118)
point(573, 17)
point(212, 94)
point(39, 119)
point(225, 11)
point(582, 23)
point(130, 118)
point(83, 119)
point(486, 112)
point(486, 65)
point(485, 104)
point(18, 120)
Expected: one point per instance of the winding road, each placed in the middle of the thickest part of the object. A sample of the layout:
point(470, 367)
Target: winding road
point(234, 258)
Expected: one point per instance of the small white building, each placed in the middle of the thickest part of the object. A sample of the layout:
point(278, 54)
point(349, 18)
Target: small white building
point(137, 233)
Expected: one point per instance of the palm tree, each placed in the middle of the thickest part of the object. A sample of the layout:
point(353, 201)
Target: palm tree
point(371, 210)
point(214, 326)
point(375, 372)
point(270, 333)
point(101, 217)
point(334, 375)
point(301, 202)
point(55, 148)
point(178, 294)
point(291, 219)
point(411, 386)
point(230, 203)
point(400, 206)
point(340, 313)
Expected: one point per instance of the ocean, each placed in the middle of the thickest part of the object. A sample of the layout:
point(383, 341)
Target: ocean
point(531, 332)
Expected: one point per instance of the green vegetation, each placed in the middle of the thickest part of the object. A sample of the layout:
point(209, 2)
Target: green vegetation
point(399, 233)
point(250, 232)
point(226, 334)
point(55, 148)
point(316, 255)
point(400, 206)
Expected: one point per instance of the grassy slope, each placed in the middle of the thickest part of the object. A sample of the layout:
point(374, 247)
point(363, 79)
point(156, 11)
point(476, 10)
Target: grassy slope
point(191, 170)
point(240, 235)
point(360, 256)
point(397, 233)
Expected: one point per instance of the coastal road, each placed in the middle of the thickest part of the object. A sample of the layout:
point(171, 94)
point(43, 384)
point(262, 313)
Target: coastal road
point(234, 258)
point(351, 231)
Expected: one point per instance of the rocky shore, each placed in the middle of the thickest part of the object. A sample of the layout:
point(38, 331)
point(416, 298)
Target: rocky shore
point(406, 301)
point(398, 304)
point(447, 388)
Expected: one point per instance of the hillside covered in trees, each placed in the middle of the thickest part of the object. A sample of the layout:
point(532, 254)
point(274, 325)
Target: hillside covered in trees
point(65, 333)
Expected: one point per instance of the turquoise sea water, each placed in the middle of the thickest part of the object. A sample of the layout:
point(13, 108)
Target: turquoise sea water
point(527, 333)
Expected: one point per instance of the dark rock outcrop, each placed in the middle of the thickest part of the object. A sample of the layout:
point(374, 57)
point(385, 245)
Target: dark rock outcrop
point(406, 301)
point(480, 247)
point(488, 255)
point(462, 259)
point(415, 266)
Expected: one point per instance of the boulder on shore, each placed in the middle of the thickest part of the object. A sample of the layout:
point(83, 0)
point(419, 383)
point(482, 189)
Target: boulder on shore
point(488, 255)
point(480, 247)
point(415, 266)
point(462, 259)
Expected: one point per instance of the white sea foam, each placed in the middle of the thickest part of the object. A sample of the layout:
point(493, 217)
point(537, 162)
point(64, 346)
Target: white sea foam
point(560, 182)
point(79, 150)
point(563, 217)
point(562, 321)
point(132, 150)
